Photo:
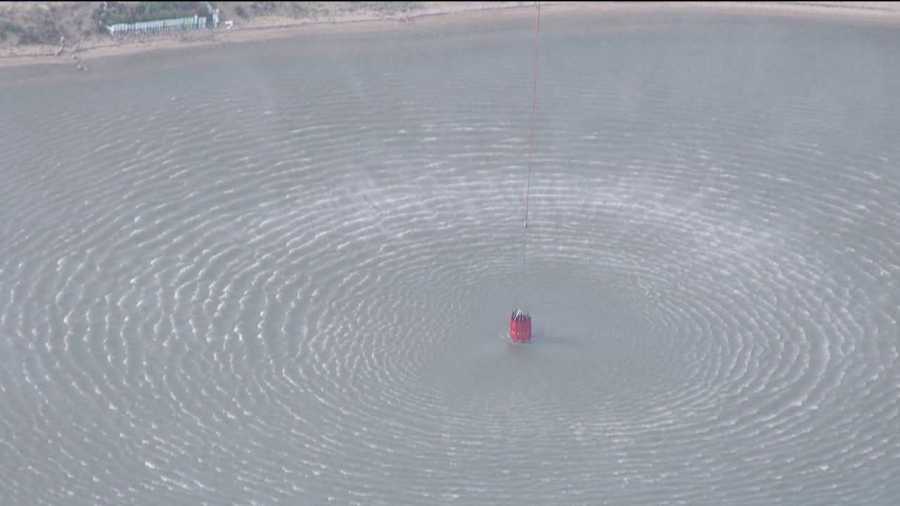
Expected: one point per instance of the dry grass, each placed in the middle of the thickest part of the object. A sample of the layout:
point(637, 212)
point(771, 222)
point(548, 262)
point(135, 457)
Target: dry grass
point(23, 23)
point(44, 23)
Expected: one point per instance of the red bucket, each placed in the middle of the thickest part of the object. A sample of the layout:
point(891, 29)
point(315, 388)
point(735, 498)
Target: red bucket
point(520, 326)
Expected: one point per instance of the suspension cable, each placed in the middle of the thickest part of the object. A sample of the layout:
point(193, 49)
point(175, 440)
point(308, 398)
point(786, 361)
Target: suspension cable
point(531, 133)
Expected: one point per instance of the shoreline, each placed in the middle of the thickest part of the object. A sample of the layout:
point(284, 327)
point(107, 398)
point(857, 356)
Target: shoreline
point(259, 29)
point(267, 28)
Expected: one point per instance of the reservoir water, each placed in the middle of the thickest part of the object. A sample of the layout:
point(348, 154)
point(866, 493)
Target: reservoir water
point(280, 272)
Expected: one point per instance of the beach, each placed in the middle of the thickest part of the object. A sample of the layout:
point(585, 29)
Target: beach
point(275, 27)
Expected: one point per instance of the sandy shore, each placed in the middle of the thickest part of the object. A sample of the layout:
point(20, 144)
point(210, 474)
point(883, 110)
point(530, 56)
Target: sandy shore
point(263, 28)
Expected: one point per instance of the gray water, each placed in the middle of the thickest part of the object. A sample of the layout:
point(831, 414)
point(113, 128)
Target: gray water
point(279, 273)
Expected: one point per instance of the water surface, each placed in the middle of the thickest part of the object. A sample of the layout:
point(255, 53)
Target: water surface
point(279, 273)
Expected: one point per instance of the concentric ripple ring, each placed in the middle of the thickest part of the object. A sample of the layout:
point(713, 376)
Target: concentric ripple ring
point(279, 273)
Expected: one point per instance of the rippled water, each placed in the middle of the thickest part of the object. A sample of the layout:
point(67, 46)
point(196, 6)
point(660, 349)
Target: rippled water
point(279, 273)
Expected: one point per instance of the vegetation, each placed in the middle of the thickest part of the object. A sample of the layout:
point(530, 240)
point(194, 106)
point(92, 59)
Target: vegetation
point(38, 27)
point(26, 23)
point(52, 23)
point(8, 30)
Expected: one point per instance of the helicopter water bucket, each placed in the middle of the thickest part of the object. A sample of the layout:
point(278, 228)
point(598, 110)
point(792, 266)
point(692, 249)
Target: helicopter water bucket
point(520, 326)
